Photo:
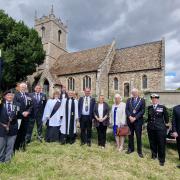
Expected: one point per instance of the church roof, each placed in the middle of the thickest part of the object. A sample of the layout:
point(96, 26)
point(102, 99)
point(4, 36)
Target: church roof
point(79, 62)
point(141, 57)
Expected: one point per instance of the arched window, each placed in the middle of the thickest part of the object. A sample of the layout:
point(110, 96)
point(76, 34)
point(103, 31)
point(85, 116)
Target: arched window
point(86, 82)
point(43, 31)
point(46, 87)
point(144, 82)
point(116, 83)
point(126, 89)
point(59, 35)
point(71, 84)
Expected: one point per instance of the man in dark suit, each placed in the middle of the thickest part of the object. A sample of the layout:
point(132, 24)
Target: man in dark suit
point(25, 101)
point(9, 112)
point(135, 109)
point(176, 127)
point(157, 128)
point(86, 115)
point(39, 102)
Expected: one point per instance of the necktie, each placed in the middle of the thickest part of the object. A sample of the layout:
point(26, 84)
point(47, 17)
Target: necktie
point(86, 104)
point(9, 108)
point(37, 97)
point(134, 102)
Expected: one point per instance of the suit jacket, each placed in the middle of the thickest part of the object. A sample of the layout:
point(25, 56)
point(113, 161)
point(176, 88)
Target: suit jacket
point(4, 119)
point(105, 112)
point(18, 98)
point(140, 110)
point(80, 107)
point(176, 119)
point(38, 107)
point(157, 118)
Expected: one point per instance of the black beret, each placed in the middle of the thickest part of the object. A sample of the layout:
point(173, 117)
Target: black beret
point(7, 92)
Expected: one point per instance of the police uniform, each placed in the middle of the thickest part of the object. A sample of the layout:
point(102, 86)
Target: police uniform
point(156, 127)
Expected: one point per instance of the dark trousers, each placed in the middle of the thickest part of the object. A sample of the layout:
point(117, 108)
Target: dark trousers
point(67, 139)
point(178, 144)
point(137, 128)
point(86, 129)
point(38, 120)
point(20, 140)
point(101, 130)
point(157, 140)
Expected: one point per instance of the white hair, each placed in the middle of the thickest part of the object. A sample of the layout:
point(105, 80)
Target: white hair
point(135, 90)
point(22, 84)
point(118, 96)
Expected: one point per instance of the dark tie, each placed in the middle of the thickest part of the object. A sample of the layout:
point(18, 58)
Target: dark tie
point(37, 97)
point(134, 102)
point(9, 108)
point(86, 104)
point(24, 97)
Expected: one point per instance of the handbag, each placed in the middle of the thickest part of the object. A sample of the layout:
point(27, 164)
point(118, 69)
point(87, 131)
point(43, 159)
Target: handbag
point(123, 131)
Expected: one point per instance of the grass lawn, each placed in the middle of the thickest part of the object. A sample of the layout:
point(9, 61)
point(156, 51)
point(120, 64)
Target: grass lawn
point(55, 161)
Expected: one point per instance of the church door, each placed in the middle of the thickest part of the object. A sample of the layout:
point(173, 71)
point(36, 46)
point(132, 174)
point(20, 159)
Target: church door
point(46, 87)
point(126, 89)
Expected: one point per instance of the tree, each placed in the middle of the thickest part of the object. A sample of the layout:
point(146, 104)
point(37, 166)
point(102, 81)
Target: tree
point(178, 89)
point(22, 50)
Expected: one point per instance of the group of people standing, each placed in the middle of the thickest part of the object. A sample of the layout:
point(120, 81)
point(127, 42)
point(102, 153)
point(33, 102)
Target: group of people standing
point(61, 114)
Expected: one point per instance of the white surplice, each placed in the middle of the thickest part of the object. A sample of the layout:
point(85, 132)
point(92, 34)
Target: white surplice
point(63, 121)
point(55, 120)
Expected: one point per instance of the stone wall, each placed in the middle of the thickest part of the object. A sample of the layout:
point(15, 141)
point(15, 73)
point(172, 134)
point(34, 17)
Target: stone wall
point(169, 98)
point(154, 80)
point(79, 82)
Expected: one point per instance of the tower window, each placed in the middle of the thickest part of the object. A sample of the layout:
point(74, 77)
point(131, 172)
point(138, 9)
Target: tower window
point(43, 31)
point(71, 84)
point(144, 82)
point(116, 83)
point(59, 35)
point(86, 82)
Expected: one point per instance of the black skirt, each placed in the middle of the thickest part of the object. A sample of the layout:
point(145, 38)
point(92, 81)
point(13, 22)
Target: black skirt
point(52, 134)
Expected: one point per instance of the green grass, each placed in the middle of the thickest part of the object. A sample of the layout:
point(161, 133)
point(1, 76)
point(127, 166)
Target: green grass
point(55, 161)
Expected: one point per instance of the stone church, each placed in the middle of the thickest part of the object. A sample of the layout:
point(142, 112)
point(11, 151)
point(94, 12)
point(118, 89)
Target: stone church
point(106, 69)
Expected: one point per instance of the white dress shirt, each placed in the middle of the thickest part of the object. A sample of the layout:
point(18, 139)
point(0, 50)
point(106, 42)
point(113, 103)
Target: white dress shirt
point(100, 110)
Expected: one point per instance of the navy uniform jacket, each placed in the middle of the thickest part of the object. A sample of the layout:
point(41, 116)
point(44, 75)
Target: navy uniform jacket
point(176, 119)
point(38, 108)
point(157, 118)
point(4, 119)
point(139, 110)
point(80, 107)
point(18, 98)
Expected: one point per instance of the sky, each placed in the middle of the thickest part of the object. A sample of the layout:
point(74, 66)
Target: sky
point(93, 23)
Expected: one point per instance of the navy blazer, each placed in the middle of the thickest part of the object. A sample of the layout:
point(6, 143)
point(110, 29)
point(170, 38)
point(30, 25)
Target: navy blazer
point(4, 119)
point(140, 109)
point(18, 98)
point(38, 107)
point(105, 112)
point(176, 119)
point(80, 107)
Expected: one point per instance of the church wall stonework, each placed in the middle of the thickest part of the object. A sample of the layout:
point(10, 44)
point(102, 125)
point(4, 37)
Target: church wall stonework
point(79, 82)
point(154, 81)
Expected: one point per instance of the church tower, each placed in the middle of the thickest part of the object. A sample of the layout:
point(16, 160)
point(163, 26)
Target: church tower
point(54, 37)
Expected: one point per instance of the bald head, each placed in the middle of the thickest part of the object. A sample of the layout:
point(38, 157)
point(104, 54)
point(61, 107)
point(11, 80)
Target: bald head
point(135, 92)
point(23, 87)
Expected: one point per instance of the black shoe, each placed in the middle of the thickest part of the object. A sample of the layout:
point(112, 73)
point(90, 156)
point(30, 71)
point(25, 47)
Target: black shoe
point(178, 166)
point(161, 163)
point(82, 144)
point(89, 144)
point(129, 152)
point(153, 157)
point(140, 155)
